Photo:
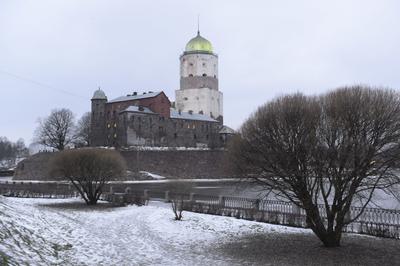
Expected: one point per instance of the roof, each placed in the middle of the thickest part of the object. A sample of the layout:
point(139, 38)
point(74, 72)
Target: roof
point(138, 109)
point(183, 115)
point(199, 44)
point(99, 95)
point(135, 97)
point(227, 130)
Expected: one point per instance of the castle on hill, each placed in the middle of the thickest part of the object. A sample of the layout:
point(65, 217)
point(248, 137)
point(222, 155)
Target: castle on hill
point(195, 119)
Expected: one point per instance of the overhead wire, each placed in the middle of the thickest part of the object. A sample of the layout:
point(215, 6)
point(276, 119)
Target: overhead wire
point(41, 84)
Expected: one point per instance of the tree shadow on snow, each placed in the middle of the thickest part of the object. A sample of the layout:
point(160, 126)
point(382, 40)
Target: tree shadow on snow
point(306, 249)
point(80, 206)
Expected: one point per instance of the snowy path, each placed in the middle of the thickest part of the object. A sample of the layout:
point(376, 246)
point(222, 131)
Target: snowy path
point(34, 232)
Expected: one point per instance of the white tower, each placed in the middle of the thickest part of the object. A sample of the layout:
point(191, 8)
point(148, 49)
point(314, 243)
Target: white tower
point(198, 91)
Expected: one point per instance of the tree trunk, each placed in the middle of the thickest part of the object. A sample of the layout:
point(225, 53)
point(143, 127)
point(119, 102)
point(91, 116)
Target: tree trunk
point(328, 236)
point(332, 239)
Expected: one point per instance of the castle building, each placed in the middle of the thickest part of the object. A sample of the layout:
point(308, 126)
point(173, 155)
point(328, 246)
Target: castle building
point(149, 119)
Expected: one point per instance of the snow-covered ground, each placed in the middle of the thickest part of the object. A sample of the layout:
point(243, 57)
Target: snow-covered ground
point(43, 232)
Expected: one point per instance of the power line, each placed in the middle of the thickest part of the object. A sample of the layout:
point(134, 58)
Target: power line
point(42, 84)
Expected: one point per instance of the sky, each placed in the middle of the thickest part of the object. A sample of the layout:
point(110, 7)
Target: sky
point(56, 53)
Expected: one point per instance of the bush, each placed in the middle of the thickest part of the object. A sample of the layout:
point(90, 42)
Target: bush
point(88, 170)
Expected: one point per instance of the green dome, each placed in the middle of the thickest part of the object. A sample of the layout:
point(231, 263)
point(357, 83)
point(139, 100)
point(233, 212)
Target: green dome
point(199, 44)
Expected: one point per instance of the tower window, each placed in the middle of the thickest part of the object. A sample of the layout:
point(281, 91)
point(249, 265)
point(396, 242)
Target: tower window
point(190, 75)
point(204, 75)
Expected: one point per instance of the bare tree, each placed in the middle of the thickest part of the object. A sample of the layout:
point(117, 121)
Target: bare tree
point(88, 170)
point(324, 153)
point(56, 130)
point(82, 135)
point(179, 193)
point(10, 151)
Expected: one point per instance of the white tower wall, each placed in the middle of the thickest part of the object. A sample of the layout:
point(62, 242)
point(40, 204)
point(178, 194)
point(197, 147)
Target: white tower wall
point(199, 65)
point(204, 100)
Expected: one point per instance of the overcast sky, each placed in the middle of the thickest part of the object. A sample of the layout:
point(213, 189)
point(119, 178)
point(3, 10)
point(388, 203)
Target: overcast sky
point(54, 54)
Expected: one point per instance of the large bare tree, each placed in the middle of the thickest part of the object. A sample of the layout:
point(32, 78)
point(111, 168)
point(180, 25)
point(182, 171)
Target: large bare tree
point(83, 130)
point(331, 150)
point(57, 130)
point(88, 170)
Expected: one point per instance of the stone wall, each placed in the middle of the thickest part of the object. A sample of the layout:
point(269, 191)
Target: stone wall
point(35, 167)
point(179, 163)
point(169, 163)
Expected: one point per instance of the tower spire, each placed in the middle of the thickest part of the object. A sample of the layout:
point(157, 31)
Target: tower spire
point(198, 24)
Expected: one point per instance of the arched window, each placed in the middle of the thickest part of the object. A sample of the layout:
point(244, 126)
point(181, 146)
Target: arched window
point(204, 75)
point(190, 75)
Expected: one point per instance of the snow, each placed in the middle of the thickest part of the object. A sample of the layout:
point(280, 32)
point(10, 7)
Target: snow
point(138, 109)
point(51, 231)
point(154, 148)
point(154, 176)
point(135, 97)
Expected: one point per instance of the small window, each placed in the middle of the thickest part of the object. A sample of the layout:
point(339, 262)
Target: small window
point(190, 75)
point(190, 64)
point(108, 125)
point(115, 135)
point(204, 75)
point(115, 124)
point(194, 136)
point(204, 64)
point(175, 135)
point(185, 98)
point(207, 136)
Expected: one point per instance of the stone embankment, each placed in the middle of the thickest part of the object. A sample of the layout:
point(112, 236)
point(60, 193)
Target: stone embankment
point(170, 163)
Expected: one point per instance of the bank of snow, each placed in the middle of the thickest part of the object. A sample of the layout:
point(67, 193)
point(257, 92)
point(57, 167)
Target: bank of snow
point(43, 231)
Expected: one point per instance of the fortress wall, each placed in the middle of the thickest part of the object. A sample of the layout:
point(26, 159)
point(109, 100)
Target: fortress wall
point(168, 163)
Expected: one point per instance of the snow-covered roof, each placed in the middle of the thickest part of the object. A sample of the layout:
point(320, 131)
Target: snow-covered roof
point(135, 97)
point(138, 109)
point(183, 115)
point(226, 130)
